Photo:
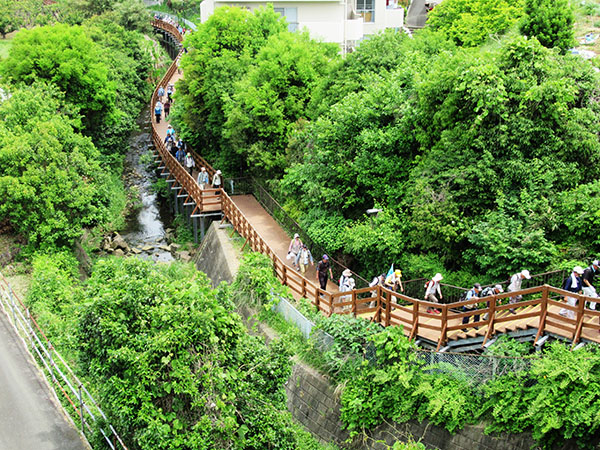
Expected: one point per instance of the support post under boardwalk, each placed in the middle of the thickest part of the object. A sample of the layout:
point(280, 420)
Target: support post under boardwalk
point(202, 226)
point(195, 222)
point(176, 202)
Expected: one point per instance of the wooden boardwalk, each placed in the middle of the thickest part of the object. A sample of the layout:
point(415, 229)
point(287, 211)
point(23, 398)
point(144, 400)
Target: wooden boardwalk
point(539, 310)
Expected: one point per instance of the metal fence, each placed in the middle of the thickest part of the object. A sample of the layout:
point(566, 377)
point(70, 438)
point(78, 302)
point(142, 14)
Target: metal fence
point(471, 368)
point(244, 186)
point(80, 405)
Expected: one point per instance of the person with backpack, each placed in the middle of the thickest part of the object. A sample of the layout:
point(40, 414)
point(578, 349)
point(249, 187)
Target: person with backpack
point(588, 282)
point(346, 284)
point(377, 281)
point(303, 258)
point(488, 292)
point(203, 178)
point(167, 108)
point(160, 93)
point(471, 293)
point(515, 285)
point(573, 283)
point(394, 281)
point(180, 155)
point(432, 287)
point(189, 163)
point(158, 107)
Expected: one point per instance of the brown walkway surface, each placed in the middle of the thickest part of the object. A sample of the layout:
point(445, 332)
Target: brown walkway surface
point(273, 234)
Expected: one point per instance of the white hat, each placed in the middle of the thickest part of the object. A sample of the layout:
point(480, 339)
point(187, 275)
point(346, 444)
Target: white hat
point(296, 235)
point(218, 172)
point(347, 273)
point(203, 169)
point(525, 273)
point(578, 269)
point(437, 277)
point(595, 263)
point(499, 289)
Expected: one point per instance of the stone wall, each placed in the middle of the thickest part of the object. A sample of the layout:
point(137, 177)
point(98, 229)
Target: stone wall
point(217, 257)
point(313, 402)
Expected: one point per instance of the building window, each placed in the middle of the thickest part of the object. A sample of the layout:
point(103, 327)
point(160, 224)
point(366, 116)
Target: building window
point(366, 8)
point(291, 16)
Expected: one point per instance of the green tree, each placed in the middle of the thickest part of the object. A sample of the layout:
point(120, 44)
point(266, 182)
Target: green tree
point(51, 182)
point(220, 53)
point(472, 22)
point(175, 366)
point(133, 15)
point(8, 21)
point(551, 22)
point(272, 97)
point(65, 56)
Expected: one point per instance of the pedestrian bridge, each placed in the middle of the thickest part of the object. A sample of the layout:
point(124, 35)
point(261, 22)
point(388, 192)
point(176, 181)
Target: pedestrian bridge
point(538, 313)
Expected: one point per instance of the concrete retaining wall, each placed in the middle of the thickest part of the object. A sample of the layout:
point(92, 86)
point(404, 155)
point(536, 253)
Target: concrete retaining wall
point(217, 257)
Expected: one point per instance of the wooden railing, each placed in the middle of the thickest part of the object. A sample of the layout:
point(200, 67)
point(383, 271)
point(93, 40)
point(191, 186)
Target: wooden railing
point(382, 305)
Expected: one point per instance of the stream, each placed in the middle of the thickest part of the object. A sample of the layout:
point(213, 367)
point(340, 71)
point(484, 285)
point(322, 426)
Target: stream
point(145, 232)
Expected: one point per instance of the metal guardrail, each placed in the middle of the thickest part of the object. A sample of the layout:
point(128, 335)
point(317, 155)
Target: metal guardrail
point(61, 377)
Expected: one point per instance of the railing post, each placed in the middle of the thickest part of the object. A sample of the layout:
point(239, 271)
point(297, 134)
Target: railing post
point(354, 302)
point(579, 322)
point(12, 304)
point(81, 410)
point(388, 309)
point(543, 313)
point(491, 319)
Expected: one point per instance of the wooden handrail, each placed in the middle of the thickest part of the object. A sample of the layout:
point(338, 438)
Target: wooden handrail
point(324, 301)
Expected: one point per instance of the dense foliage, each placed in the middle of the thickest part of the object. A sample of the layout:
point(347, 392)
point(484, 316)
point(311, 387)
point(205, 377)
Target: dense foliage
point(471, 23)
point(557, 398)
point(478, 157)
point(551, 22)
point(75, 93)
point(170, 362)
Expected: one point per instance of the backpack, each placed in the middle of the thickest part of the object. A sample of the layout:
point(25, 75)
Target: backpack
point(463, 296)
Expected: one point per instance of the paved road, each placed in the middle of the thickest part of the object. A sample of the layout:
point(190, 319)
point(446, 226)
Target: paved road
point(29, 419)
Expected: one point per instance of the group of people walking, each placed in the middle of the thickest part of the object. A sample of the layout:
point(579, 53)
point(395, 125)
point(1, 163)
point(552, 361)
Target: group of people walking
point(162, 104)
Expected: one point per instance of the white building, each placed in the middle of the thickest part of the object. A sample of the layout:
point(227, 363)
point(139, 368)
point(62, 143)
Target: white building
point(343, 22)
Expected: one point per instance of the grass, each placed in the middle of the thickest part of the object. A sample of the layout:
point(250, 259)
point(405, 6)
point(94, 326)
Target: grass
point(5, 45)
point(587, 20)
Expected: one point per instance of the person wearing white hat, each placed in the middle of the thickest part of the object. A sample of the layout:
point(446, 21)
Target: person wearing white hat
point(515, 285)
point(573, 284)
point(294, 249)
point(189, 163)
point(588, 282)
point(203, 178)
point(432, 287)
point(216, 181)
point(346, 284)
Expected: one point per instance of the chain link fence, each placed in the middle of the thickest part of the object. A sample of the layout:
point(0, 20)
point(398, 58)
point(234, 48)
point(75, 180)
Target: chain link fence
point(471, 368)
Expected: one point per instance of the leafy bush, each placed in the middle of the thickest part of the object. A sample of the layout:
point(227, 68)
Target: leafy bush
point(351, 337)
point(551, 22)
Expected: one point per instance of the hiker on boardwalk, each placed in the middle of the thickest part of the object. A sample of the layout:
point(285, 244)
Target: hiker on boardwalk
point(170, 89)
point(393, 280)
point(167, 108)
point(379, 280)
point(216, 181)
point(180, 155)
point(515, 285)
point(346, 284)
point(203, 178)
point(574, 284)
point(322, 268)
point(488, 292)
point(588, 282)
point(432, 287)
point(160, 93)
point(471, 293)
point(158, 107)
point(303, 258)
point(294, 249)
point(189, 163)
